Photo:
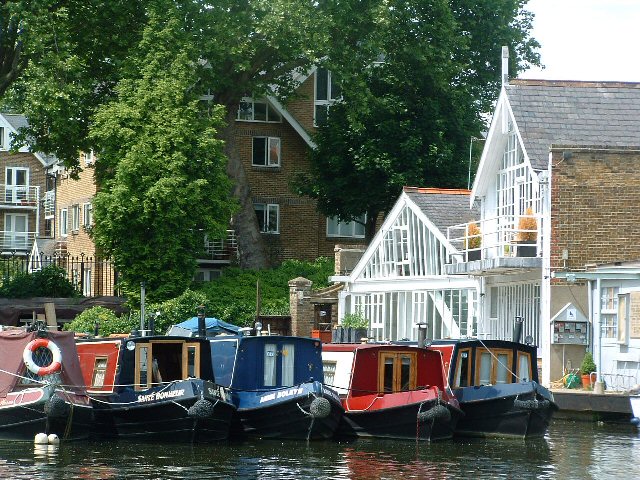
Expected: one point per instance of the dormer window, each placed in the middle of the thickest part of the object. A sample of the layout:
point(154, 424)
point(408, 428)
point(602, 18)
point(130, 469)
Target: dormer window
point(2, 140)
point(251, 110)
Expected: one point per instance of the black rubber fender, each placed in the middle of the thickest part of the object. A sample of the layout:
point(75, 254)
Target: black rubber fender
point(437, 413)
point(56, 407)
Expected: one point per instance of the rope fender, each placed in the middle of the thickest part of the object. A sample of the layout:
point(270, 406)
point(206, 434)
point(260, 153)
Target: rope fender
point(56, 407)
point(320, 407)
point(437, 413)
point(201, 409)
point(534, 404)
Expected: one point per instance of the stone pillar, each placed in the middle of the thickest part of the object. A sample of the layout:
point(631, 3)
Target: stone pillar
point(300, 307)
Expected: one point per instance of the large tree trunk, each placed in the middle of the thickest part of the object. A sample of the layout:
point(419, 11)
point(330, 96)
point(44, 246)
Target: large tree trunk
point(253, 253)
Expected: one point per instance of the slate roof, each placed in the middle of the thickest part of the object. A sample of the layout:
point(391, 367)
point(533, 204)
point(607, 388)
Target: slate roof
point(444, 207)
point(574, 113)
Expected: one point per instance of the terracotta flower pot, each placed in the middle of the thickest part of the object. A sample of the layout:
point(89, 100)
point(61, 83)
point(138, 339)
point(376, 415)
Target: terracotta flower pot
point(586, 381)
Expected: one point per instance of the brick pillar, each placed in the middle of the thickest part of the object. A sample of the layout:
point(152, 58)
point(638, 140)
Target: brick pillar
point(300, 307)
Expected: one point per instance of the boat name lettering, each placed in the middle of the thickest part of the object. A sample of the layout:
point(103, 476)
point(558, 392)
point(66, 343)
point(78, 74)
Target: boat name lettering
point(331, 393)
point(217, 392)
point(160, 395)
point(280, 394)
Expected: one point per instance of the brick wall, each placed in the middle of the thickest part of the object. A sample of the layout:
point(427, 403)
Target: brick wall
point(70, 192)
point(595, 203)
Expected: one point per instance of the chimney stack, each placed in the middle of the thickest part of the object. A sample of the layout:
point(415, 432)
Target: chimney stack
point(505, 66)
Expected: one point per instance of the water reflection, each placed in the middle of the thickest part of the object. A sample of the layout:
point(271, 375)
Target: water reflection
point(570, 451)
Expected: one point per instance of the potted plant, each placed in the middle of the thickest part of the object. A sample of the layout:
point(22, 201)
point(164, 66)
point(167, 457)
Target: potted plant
point(472, 242)
point(352, 328)
point(527, 234)
point(586, 369)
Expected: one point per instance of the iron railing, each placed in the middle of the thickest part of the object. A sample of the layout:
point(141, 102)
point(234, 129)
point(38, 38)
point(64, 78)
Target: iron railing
point(93, 277)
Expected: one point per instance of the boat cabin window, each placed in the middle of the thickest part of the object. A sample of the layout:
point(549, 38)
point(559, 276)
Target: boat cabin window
point(524, 367)
point(397, 371)
point(329, 371)
point(165, 361)
point(282, 359)
point(493, 367)
point(99, 372)
point(463, 368)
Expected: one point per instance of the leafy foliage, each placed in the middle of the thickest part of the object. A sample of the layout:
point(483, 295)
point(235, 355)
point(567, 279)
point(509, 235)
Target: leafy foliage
point(394, 126)
point(161, 168)
point(354, 320)
point(232, 297)
point(588, 366)
point(108, 322)
point(51, 281)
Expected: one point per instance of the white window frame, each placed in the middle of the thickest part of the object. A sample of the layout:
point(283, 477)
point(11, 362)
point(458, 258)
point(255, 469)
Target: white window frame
point(336, 228)
point(323, 103)
point(87, 215)
point(15, 239)
point(64, 222)
point(269, 143)
point(89, 157)
point(268, 209)
point(271, 114)
point(75, 218)
point(609, 312)
point(2, 140)
point(14, 192)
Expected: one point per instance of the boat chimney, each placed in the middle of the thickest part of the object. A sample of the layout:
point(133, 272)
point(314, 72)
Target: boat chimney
point(202, 329)
point(517, 329)
point(422, 334)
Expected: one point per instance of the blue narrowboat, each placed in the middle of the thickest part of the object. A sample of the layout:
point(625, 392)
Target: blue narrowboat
point(496, 384)
point(276, 384)
point(159, 388)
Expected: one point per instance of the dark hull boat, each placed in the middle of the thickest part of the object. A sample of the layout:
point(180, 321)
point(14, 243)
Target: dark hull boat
point(496, 383)
point(276, 385)
point(391, 391)
point(45, 393)
point(155, 388)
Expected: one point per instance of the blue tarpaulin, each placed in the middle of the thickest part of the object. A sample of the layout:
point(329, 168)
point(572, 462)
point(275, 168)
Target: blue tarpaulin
point(213, 326)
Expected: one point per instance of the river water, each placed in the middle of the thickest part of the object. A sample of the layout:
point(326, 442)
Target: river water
point(571, 450)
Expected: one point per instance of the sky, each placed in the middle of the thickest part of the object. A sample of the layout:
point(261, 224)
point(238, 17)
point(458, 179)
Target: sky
point(587, 39)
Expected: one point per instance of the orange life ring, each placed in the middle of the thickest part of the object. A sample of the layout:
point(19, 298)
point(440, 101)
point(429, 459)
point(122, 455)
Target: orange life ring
point(32, 346)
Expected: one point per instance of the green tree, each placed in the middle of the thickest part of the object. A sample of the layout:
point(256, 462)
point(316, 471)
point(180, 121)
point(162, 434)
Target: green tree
point(161, 168)
point(408, 119)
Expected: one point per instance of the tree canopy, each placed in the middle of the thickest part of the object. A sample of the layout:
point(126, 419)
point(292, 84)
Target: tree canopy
point(408, 118)
point(161, 168)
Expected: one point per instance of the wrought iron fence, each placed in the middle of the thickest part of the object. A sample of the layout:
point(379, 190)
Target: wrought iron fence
point(93, 277)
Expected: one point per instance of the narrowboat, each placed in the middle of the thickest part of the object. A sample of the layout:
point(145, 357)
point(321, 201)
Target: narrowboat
point(276, 384)
point(41, 387)
point(391, 391)
point(158, 388)
point(496, 383)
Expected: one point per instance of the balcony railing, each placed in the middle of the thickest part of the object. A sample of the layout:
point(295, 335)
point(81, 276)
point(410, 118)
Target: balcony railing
point(49, 204)
point(224, 249)
point(19, 196)
point(16, 241)
point(497, 237)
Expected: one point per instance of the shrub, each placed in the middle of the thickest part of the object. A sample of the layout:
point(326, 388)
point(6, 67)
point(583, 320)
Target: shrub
point(354, 320)
point(527, 227)
point(51, 281)
point(473, 240)
point(108, 322)
point(588, 366)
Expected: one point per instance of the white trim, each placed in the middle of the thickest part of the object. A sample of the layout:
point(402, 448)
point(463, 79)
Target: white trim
point(293, 122)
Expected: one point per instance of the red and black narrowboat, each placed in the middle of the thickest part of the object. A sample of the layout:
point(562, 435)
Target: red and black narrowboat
point(391, 391)
point(158, 388)
point(496, 384)
point(41, 387)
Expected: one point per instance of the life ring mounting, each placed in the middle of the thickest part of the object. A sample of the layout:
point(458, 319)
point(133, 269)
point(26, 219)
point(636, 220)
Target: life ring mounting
point(32, 366)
